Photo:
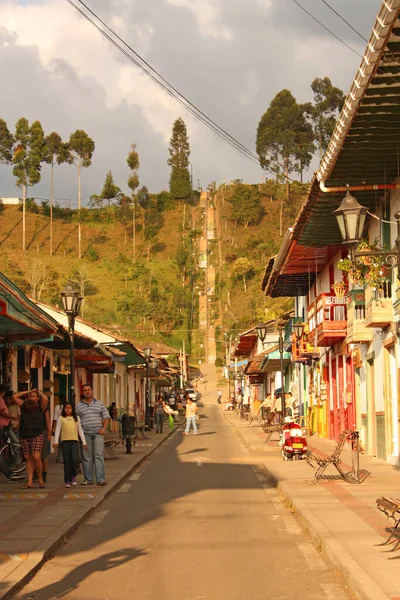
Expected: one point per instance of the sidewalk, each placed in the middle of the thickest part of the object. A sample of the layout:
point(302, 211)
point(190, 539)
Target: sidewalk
point(342, 519)
point(33, 523)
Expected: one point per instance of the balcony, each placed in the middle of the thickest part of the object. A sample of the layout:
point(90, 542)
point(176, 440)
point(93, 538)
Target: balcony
point(378, 306)
point(302, 350)
point(357, 331)
point(327, 319)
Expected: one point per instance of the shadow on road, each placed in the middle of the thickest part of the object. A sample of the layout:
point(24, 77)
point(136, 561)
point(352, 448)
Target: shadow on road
point(72, 580)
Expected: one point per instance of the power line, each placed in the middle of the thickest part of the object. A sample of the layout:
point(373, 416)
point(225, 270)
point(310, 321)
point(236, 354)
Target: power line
point(326, 28)
point(344, 21)
point(168, 88)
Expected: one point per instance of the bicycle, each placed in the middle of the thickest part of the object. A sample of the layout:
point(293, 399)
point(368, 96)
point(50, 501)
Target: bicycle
point(11, 452)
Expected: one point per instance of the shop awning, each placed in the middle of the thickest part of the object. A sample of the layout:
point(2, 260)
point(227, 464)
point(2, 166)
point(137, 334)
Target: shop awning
point(20, 318)
point(272, 361)
point(132, 354)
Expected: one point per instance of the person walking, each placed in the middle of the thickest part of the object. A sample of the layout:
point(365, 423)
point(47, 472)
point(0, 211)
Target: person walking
point(159, 414)
point(57, 414)
point(31, 428)
point(191, 410)
point(219, 396)
point(94, 419)
point(69, 428)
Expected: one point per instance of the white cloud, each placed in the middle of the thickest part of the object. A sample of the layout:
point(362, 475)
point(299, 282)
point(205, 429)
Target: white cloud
point(207, 13)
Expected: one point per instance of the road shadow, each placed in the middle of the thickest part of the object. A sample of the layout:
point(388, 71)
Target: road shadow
point(71, 581)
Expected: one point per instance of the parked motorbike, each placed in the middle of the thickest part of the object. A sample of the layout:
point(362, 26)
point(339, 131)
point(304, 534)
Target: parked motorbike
point(294, 445)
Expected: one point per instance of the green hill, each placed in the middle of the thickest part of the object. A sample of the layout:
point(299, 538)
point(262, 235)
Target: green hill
point(237, 309)
point(156, 295)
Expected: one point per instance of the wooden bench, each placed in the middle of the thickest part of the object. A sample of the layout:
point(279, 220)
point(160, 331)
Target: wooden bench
point(391, 508)
point(270, 429)
point(356, 475)
point(256, 417)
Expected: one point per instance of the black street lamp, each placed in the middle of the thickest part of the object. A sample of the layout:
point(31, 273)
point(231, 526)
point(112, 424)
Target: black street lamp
point(72, 303)
point(261, 329)
point(298, 328)
point(351, 218)
point(147, 354)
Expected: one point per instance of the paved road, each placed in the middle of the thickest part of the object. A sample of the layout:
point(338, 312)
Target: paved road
point(197, 521)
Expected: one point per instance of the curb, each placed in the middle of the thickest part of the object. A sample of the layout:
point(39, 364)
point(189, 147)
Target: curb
point(21, 574)
point(352, 573)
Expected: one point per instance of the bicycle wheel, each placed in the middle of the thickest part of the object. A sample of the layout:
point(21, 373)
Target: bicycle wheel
point(16, 465)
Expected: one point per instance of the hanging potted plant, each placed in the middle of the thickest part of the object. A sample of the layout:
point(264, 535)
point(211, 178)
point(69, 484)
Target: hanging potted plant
point(340, 288)
point(355, 270)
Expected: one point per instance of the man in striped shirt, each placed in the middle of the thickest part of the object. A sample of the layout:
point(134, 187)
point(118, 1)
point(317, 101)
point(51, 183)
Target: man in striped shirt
point(94, 419)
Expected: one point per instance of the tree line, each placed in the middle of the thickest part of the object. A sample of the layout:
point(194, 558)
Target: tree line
point(28, 148)
point(289, 134)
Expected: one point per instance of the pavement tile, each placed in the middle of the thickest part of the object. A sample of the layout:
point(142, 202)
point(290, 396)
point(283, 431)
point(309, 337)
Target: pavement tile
point(33, 522)
point(342, 518)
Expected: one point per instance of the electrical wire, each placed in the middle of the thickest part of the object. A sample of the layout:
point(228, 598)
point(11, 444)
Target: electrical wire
point(344, 21)
point(167, 87)
point(170, 90)
point(326, 28)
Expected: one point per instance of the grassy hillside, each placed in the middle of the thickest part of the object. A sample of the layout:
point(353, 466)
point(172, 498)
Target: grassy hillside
point(236, 308)
point(132, 298)
point(155, 296)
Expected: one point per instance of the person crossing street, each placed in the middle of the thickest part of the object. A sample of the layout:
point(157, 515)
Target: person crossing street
point(191, 410)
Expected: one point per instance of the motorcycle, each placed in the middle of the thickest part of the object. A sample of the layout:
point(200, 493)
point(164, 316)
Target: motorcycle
point(294, 444)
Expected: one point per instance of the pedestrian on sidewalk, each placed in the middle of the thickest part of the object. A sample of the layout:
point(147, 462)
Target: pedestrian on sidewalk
point(14, 413)
point(191, 410)
point(31, 432)
point(94, 419)
point(7, 422)
point(219, 396)
point(70, 430)
point(57, 414)
point(159, 414)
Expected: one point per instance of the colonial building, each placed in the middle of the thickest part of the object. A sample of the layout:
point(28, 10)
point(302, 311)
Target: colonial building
point(348, 357)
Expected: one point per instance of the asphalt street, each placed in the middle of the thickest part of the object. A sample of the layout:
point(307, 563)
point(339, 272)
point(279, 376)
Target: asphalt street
point(197, 520)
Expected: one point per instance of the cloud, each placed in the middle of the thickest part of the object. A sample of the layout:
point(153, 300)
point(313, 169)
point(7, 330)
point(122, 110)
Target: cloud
point(230, 58)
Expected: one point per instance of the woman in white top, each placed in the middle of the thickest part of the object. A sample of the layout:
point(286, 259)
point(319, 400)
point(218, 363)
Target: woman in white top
point(69, 426)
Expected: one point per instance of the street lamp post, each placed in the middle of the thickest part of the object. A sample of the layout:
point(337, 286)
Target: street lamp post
point(351, 217)
point(72, 303)
point(147, 354)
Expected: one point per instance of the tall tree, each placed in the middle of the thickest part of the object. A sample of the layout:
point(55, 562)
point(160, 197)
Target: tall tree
point(81, 147)
point(133, 184)
point(246, 206)
point(328, 102)
point(241, 267)
point(6, 143)
point(179, 152)
point(28, 154)
point(281, 140)
point(110, 191)
point(56, 153)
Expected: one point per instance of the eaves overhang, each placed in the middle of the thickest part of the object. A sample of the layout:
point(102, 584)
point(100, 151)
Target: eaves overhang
point(364, 145)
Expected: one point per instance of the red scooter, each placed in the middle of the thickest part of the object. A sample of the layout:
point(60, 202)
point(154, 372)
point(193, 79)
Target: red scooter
point(294, 444)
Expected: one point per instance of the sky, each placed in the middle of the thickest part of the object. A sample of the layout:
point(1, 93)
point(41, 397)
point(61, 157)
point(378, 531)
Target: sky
point(229, 57)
